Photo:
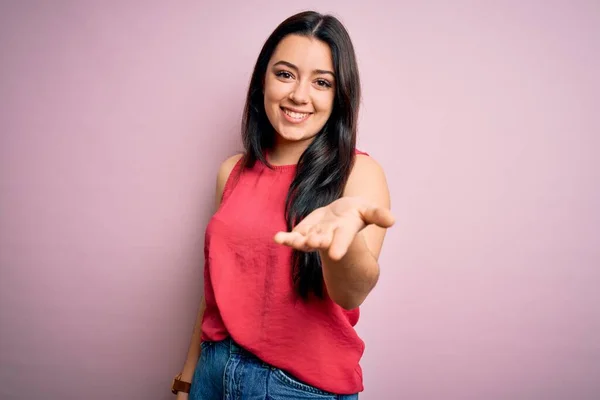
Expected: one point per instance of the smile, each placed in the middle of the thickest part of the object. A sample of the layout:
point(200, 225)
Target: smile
point(295, 117)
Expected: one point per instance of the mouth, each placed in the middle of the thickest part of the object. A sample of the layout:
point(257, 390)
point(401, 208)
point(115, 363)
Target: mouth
point(294, 116)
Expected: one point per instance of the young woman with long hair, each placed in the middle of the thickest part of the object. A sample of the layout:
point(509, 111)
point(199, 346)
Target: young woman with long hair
point(292, 249)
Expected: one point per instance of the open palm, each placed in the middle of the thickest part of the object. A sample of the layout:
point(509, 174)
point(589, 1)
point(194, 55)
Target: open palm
point(334, 227)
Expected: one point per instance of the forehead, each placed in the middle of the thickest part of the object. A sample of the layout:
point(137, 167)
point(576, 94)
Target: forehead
point(306, 53)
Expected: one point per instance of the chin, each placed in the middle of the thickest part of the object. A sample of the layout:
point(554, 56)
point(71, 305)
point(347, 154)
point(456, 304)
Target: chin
point(293, 135)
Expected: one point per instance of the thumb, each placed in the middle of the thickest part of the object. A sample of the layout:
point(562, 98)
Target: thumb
point(379, 216)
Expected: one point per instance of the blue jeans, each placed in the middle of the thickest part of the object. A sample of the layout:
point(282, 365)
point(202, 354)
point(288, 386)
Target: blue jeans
point(225, 371)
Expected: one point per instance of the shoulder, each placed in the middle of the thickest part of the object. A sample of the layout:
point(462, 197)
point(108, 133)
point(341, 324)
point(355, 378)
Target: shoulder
point(225, 170)
point(367, 179)
point(227, 166)
point(365, 168)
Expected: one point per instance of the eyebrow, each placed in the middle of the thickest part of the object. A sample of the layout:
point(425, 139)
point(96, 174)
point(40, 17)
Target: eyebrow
point(292, 66)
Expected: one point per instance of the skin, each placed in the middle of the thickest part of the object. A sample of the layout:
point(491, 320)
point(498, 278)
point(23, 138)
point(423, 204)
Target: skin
point(193, 353)
point(349, 232)
point(296, 80)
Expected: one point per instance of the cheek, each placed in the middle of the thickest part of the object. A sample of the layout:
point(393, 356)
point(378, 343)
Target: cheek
point(274, 92)
point(324, 104)
point(272, 98)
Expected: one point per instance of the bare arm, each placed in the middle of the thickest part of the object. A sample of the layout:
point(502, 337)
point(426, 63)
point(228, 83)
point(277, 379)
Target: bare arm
point(193, 353)
point(350, 279)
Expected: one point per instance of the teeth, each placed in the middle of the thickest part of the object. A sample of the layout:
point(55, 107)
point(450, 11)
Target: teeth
point(295, 115)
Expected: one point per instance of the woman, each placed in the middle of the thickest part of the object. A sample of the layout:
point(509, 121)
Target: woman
point(292, 249)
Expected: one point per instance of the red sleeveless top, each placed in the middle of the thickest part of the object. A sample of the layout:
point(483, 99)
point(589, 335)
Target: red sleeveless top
point(249, 292)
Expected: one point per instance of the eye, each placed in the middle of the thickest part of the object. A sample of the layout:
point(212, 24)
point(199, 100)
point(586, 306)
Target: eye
point(324, 83)
point(284, 75)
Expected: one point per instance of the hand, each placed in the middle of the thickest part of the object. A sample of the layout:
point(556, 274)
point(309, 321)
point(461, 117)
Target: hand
point(333, 228)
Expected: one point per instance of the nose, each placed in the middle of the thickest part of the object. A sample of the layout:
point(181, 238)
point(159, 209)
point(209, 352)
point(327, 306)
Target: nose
point(300, 94)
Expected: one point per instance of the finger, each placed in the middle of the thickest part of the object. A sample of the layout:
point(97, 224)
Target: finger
point(303, 228)
point(319, 241)
point(294, 240)
point(288, 238)
point(280, 237)
point(342, 239)
point(299, 242)
point(379, 216)
point(310, 220)
point(321, 236)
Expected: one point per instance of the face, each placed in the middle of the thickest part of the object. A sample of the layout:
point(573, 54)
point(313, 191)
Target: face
point(299, 88)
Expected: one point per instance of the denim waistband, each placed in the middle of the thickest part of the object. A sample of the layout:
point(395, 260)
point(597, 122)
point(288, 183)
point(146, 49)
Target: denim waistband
point(235, 348)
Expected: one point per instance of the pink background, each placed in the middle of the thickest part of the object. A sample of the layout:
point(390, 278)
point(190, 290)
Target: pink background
point(115, 116)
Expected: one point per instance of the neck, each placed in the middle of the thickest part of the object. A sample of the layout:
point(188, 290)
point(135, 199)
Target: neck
point(287, 153)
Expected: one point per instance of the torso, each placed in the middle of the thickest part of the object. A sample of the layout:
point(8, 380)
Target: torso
point(249, 292)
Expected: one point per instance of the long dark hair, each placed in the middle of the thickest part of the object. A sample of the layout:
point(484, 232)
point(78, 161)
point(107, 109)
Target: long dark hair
point(324, 167)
